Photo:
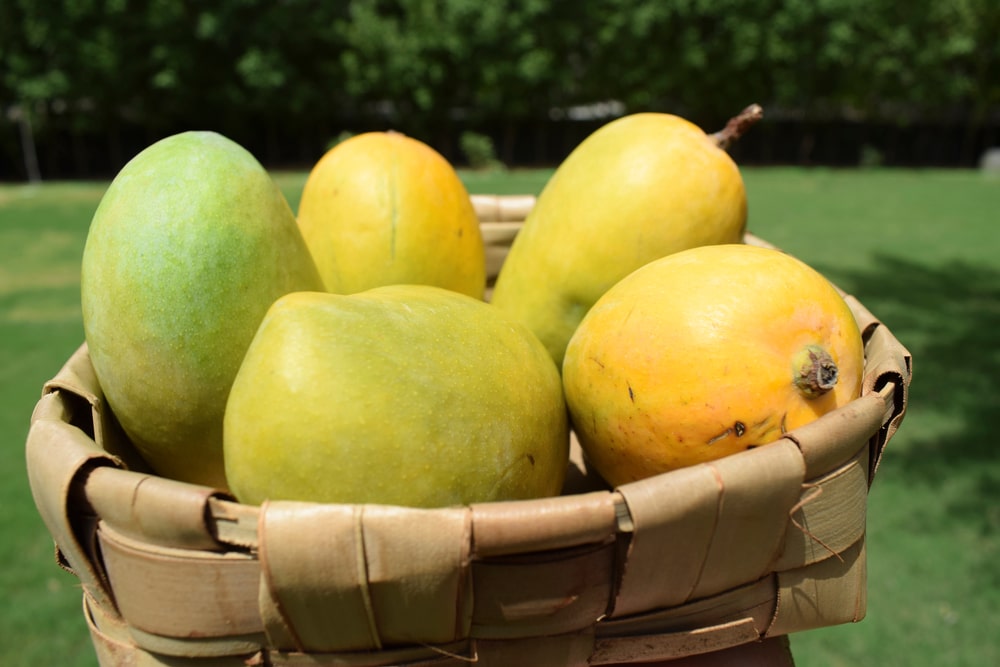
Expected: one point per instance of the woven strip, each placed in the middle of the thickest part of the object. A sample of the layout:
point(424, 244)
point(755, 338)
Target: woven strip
point(58, 457)
point(342, 578)
point(708, 528)
point(502, 208)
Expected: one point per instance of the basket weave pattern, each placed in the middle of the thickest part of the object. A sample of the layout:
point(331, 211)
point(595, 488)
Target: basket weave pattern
point(760, 544)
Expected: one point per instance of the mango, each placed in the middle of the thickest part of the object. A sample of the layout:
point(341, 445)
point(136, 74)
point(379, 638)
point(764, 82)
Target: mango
point(382, 208)
point(408, 395)
point(190, 245)
point(640, 187)
point(705, 353)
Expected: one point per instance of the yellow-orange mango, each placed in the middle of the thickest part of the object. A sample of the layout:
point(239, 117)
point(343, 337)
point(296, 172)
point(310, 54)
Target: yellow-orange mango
point(382, 208)
point(705, 353)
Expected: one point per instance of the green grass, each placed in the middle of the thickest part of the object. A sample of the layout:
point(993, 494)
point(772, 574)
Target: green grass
point(919, 248)
point(42, 231)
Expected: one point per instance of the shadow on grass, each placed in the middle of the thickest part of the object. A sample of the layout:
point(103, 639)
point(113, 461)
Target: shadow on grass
point(949, 317)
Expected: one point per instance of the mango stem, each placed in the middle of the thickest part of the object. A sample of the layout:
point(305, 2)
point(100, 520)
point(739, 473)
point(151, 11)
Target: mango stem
point(737, 126)
point(814, 371)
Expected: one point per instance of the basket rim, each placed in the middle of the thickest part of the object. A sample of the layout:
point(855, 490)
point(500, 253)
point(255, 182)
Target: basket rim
point(235, 524)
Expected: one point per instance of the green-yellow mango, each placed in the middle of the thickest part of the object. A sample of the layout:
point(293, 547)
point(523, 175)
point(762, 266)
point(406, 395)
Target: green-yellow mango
point(407, 395)
point(382, 208)
point(188, 248)
point(639, 188)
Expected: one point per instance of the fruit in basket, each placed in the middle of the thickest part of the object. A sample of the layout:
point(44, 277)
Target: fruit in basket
point(404, 394)
point(189, 246)
point(641, 187)
point(382, 208)
point(705, 353)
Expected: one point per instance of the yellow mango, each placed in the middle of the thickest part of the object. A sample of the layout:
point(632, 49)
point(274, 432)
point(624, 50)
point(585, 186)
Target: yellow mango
point(382, 208)
point(403, 394)
point(641, 187)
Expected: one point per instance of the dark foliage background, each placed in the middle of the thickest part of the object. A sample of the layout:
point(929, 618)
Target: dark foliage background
point(85, 84)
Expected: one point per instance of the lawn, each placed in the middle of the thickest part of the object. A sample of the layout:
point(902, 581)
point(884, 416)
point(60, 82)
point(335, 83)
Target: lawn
point(919, 248)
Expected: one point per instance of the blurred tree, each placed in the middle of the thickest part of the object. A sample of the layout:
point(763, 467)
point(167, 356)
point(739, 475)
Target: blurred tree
point(427, 57)
point(268, 71)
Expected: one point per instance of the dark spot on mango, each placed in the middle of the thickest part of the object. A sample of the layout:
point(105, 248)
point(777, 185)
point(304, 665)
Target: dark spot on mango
point(631, 394)
point(740, 428)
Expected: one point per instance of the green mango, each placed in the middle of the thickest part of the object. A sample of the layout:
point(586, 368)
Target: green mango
point(410, 395)
point(639, 188)
point(188, 248)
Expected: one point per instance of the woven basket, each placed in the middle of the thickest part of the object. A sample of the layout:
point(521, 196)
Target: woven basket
point(757, 545)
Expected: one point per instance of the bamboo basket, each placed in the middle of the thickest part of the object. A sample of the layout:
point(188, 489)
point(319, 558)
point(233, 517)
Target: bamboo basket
point(755, 546)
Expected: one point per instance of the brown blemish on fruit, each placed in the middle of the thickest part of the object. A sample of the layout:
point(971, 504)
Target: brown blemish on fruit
point(739, 428)
point(631, 394)
point(715, 439)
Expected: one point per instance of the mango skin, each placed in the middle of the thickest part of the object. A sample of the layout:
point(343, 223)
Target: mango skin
point(382, 208)
point(188, 248)
point(639, 188)
point(407, 395)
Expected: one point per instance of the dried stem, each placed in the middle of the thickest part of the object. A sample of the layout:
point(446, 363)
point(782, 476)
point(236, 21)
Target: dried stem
point(737, 126)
